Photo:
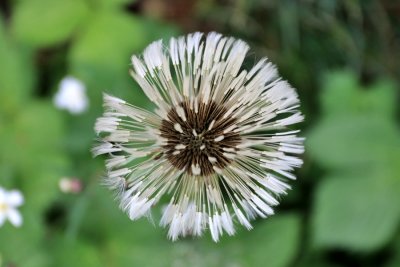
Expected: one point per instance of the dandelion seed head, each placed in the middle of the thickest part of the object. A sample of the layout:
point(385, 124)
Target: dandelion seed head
point(196, 142)
point(218, 143)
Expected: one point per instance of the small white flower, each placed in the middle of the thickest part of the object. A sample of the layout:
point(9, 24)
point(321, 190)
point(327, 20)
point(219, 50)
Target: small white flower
point(71, 96)
point(219, 145)
point(9, 201)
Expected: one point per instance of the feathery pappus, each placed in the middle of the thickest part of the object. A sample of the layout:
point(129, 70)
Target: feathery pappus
point(217, 145)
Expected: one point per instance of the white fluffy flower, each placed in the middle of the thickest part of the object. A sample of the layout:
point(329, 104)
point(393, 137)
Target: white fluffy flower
point(9, 201)
point(71, 96)
point(217, 144)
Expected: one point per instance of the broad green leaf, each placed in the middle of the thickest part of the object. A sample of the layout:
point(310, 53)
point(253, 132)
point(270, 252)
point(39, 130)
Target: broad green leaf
point(358, 140)
point(381, 99)
point(273, 242)
point(101, 55)
point(33, 153)
point(31, 131)
point(47, 22)
point(342, 95)
point(356, 213)
point(28, 140)
point(16, 77)
point(353, 140)
point(102, 52)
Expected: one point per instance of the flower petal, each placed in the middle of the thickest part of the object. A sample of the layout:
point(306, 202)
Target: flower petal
point(2, 218)
point(14, 198)
point(15, 217)
point(2, 194)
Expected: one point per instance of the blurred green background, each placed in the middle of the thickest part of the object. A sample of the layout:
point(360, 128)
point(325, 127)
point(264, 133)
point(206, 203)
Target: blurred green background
point(343, 56)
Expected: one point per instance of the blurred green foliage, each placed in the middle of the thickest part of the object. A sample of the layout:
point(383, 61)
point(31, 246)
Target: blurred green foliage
point(55, 21)
point(359, 142)
point(344, 209)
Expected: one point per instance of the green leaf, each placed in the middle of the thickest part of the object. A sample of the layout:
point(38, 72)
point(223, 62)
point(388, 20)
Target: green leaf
point(357, 139)
point(27, 141)
point(101, 54)
point(342, 95)
point(34, 156)
point(16, 77)
point(32, 134)
point(273, 242)
point(339, 142)
point(47, 22)
point(381, 99)
point(356, 213)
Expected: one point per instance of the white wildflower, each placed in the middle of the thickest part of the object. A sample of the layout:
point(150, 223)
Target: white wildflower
point(217, 143)
point(71, 96)
point(9, 201)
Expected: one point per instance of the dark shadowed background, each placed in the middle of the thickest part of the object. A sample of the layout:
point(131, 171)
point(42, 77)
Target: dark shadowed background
point(343, 56)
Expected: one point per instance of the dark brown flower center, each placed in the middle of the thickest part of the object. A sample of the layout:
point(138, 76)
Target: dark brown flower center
point(201, 140)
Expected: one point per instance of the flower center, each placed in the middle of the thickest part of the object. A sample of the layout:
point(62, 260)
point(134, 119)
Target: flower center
point(200, 140)
point(3, 207)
